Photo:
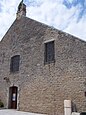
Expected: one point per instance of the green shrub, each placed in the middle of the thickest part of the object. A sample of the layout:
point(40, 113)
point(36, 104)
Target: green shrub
point(1, 104)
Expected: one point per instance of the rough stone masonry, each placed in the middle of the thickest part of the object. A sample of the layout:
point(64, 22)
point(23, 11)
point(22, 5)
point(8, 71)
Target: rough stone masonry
point(38, 86)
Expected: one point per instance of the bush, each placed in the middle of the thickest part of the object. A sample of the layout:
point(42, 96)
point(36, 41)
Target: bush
point(1, 104)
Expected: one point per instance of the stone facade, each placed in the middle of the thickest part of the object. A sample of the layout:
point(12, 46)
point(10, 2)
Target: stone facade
point(42, 88)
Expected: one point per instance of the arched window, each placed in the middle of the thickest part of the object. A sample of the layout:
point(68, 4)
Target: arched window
point(14, 65)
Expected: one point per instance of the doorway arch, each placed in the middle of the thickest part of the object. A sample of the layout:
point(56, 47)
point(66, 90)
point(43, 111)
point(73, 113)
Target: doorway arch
point(13, 97)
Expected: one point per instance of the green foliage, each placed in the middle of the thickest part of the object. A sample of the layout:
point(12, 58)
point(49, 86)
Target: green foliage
point(1, 104)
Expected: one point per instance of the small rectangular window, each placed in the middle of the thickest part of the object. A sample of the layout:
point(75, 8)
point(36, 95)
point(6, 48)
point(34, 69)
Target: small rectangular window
point(14, 65)
point(49, 52)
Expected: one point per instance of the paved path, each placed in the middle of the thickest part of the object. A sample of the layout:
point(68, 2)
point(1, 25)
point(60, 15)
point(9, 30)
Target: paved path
point(14, 112)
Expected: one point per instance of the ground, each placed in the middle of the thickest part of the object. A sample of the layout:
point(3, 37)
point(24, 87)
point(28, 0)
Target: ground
point(15, 112)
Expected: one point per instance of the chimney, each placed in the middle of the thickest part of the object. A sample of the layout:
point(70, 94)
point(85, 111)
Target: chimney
point(21, 12)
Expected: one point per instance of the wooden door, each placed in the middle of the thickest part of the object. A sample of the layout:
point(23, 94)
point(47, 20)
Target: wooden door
point(13, 97)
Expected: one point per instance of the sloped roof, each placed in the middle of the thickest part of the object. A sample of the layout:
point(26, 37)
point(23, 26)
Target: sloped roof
point(26, 26)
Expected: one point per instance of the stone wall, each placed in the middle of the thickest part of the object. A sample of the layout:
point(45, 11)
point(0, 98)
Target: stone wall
point(42, 88)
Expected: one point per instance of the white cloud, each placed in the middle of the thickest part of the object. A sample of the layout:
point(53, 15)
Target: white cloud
point(71, 1)
point(51, 12)
point(78, 29)
point(56, 14)
point(7, 15)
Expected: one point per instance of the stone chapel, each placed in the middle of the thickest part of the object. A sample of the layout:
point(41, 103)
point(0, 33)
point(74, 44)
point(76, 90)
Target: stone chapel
point(40, 67)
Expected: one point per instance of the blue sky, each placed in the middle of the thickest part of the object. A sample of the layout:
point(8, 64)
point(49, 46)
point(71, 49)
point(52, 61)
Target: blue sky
point(74, 3)
point(66, 15)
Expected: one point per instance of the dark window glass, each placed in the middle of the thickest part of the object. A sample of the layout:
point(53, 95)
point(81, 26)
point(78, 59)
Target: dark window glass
point(14, 66)
point(49, 52)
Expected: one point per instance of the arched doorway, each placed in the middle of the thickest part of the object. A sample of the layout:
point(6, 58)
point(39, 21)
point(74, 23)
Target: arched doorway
point(13, 97)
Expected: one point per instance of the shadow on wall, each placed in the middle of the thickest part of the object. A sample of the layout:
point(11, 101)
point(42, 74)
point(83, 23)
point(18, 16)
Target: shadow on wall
point(74, 108)
point(83, 113)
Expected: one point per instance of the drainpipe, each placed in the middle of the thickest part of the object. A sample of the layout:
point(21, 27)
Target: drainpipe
point(67, 107)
